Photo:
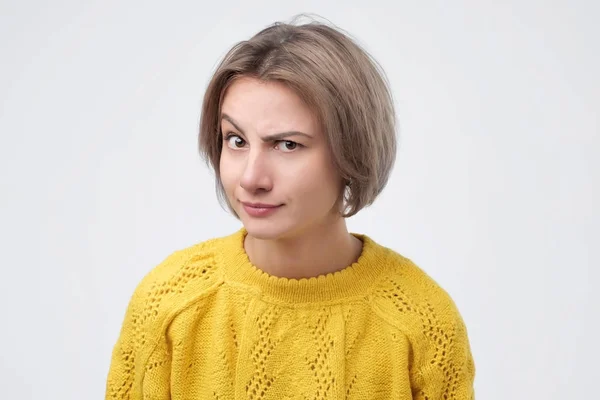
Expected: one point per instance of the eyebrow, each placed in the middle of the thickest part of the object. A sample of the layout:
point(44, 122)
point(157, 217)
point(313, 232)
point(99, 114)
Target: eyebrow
point(268, 138)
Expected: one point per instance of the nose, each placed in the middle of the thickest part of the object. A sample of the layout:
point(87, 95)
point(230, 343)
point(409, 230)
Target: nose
point(256, 175)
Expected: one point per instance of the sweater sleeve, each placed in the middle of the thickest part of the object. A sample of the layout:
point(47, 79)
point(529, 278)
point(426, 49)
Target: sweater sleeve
point(440, 363)
point(140, 361)
point(125, 365)
point(443, 366)
point(141, 358)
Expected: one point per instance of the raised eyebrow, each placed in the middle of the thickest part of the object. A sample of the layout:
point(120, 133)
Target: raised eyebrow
point(283, 135)
point(268, 138)
point(232, 122)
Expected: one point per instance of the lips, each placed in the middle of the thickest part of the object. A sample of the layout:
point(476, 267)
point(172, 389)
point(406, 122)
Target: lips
point(260, 210)
point(259, 205)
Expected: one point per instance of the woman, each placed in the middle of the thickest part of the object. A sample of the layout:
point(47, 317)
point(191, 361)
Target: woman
point(298, 125)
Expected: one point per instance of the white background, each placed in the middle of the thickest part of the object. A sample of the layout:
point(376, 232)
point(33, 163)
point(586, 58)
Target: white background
point(494, 194)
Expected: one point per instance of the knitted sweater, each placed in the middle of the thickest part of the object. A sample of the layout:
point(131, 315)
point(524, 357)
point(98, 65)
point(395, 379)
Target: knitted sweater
point(207, 324)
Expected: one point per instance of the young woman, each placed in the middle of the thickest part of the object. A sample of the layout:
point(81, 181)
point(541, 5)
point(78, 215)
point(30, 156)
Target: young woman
point(298, 125)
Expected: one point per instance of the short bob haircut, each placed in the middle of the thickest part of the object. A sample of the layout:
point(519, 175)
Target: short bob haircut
point(338, 80)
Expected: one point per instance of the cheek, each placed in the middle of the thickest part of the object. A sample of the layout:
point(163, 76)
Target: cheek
point(317, 180)
point(227, 173)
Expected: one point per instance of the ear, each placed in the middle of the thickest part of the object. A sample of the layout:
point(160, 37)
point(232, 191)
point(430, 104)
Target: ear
point(340, 204)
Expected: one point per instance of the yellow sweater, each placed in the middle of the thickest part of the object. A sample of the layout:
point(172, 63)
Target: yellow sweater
point(207, 324)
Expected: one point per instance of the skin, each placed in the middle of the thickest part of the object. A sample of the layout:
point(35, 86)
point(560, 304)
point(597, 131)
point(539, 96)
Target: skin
point(274, 152)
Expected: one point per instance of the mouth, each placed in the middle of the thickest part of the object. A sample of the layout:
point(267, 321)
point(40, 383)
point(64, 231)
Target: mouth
point(260, 209)
point(260, 205)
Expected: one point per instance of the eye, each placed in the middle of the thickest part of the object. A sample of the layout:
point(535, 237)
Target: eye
point(234, 141)
point(287, 145)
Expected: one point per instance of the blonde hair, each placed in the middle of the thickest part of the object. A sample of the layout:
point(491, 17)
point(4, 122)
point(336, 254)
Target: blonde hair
point(345, 87)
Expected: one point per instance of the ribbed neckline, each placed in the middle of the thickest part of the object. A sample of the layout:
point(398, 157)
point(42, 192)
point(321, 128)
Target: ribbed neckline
point(354, 280)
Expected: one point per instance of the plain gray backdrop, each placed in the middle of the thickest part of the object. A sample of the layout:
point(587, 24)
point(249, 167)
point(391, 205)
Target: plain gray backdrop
point(494, 193)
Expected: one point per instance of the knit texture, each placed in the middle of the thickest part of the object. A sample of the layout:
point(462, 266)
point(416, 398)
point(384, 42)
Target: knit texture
point(207, 324)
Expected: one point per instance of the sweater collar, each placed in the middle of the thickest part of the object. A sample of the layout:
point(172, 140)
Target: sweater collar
point(352, 281)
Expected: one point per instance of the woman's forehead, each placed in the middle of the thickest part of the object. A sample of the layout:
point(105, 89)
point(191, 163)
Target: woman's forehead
point(266, 106)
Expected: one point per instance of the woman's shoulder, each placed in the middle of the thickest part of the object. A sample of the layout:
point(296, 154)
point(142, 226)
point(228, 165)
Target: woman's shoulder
point(409, 298)
point(184, 265)
point(413, 303)
point(185, 274)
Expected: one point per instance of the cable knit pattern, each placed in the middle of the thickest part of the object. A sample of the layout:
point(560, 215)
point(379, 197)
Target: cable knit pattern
point(207, 324)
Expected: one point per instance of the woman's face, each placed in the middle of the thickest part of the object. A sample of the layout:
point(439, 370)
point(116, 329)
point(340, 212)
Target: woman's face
point(276, 165)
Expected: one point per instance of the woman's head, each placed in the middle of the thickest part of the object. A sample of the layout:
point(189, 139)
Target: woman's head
point(300, 117)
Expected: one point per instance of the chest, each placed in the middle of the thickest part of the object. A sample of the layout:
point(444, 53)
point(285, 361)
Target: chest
point(246, 348)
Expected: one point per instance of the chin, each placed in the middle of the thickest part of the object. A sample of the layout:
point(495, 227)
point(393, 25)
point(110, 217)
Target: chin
point(267, 229)
point(264, 230)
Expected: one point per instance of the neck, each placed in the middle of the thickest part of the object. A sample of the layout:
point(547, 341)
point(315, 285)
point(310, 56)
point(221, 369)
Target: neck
point(318, 251)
